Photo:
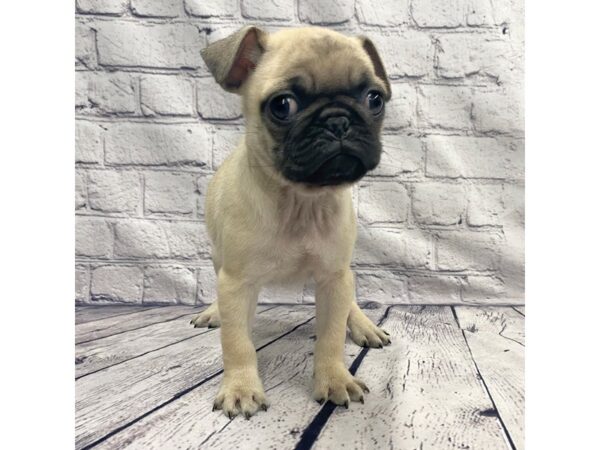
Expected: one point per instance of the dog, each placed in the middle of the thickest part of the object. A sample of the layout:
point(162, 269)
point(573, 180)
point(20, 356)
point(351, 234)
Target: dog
point(280, 208)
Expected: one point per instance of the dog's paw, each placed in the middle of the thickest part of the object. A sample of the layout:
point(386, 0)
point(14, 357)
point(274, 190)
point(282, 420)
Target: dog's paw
point(366, 334)
point(241, 395)
point(207, 318)
point(336, 384)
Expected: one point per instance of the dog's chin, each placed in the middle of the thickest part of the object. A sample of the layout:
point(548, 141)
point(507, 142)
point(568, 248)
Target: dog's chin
point(338, 170)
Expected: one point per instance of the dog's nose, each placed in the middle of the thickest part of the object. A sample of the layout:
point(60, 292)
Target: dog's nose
point(338, 125)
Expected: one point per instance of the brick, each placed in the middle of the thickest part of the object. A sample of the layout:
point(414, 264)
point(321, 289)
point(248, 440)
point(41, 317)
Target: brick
point(486, 206)
point(170, 284)
point(383, 201)
point(225, 140)
point(166, 95)
point(437, 289)
point(513, 199)
point(479, 289)
point(331, 12)
point(445, 106)
point(169, 193)
point(82, 284)
point(211, 8)
point(93, 237)
point(438, 13)
point(403, 248)
point(113, 191)
point(80, 190)
point(85, 46)
point(201, 188)
point(286, 293)
point(500, 111)
point(103, 93)
point(215, 103)
point(140, 239)
point(400, 155)
point(271, 10)
point(173, 46)
point(383, 13)
point(109, 7)
point(207, 284)
point(439, 203)
point(381, 286)
point(188, 240)
point(89, 142)
point(158, 144)
point(156, 8)
point(117, 284)
point(468, 250)
point(409, 54)
point(485, 12)
point(401, 110)
point(474, 157)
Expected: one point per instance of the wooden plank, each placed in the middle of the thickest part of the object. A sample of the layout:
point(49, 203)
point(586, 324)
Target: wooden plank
point(286, 370)
point(115, 325)
point(496, 337)
point(425, 392)
point(520, 309)
point(105, 352)
point(89, 313)
point(110, 399)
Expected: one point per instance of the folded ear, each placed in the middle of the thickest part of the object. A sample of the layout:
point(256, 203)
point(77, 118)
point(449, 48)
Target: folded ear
point(231, 59)
point(369, 47)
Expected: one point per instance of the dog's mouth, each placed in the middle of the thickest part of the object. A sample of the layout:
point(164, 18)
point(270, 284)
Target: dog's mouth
point(339, 169)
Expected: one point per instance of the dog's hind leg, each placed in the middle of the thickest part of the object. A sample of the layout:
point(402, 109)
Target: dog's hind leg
point(363, 331)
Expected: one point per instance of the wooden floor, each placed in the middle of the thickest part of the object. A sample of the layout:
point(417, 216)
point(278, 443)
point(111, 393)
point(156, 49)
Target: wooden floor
point(452, 379)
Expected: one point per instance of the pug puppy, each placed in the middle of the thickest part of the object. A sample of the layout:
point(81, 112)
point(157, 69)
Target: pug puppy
point(280, 208)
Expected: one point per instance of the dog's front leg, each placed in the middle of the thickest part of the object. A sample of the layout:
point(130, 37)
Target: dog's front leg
point(334, 296)
point(241, 390)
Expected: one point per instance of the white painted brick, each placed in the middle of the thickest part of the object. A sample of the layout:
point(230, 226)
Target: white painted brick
point(82, 284)
point(409, 53)
point(479, 289)
point(114, 190)
point(486, 206)
point(500, 111)
point(89, 142)
point(170, 284)
point(149, 45)
point(445, 106)
point(93, 237)
point(383, 201)
point(330, 12)
point(513, 199)
point(169, 193)
point(272, 9)
point(225, 140)
point(111, 7)
point(382, 286)
point(158, 144)
point(400, 155)
point(276, 293)
point(207, 284)
point(383, 12)
point(85, 46)
point(156, 8)
point(201, 188)
point(166, 95)
point(80, 190)
point(211, 8)
point(401, 110)
point(474, 157)
point(103, 93)
point(439, 203)
point(488, 12)
point(215, 103)
point(140, 239)
point(187, 240)
point(434, 289)
point(117, 284)
point(438, 13)
point(468, 250)
point(401, 248)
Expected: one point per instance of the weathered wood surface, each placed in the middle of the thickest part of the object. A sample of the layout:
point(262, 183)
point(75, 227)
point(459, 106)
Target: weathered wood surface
point(119, 324)
point(520, 309)
point(285, 367)
point(89, 313)
point(110, 399)
point(496, 338)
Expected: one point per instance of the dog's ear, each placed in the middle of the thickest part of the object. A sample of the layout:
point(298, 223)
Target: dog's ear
point(231, 59)
point(370, 49)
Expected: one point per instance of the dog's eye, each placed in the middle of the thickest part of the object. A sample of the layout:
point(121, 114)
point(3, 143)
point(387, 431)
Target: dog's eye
point(283, 107)
point(374, 101)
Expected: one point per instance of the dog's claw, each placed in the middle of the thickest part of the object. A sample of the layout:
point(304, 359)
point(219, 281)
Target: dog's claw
point(346, 404)
point(362, 400)
point(320, 401)
point(247, 415)
point(264, 407)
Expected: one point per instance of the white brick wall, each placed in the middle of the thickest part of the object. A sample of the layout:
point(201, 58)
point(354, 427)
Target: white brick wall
point(441, 219)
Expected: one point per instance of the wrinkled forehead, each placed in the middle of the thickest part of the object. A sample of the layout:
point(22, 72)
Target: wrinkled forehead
point(316, 63)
